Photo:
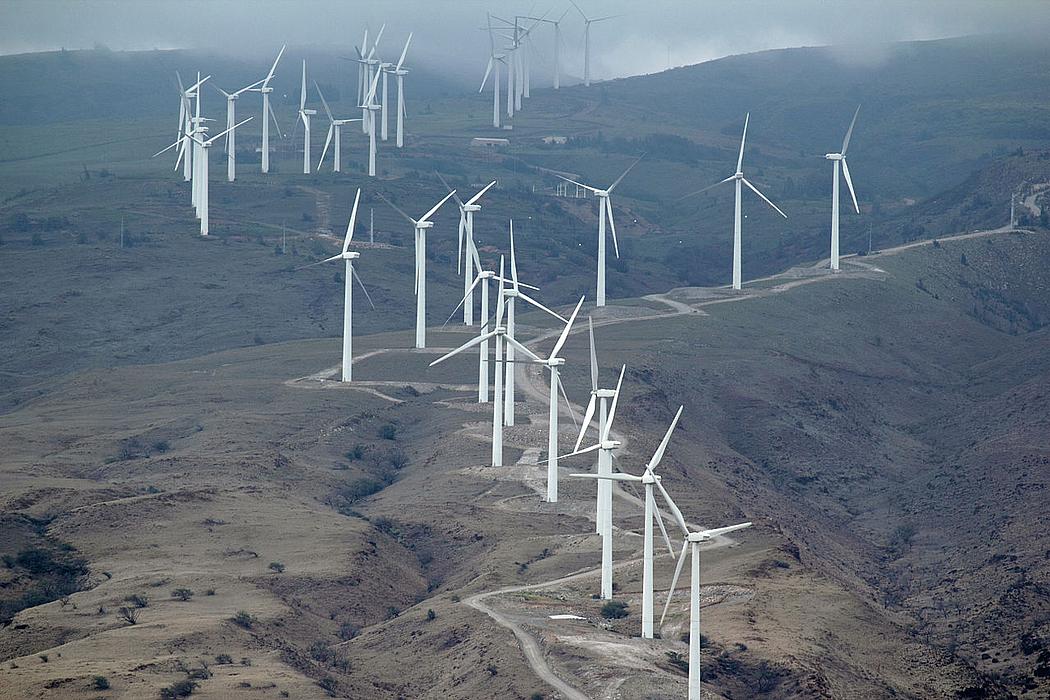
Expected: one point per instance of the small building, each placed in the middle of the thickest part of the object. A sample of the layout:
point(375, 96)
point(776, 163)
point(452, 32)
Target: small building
point(555, 140)
point(489, 143)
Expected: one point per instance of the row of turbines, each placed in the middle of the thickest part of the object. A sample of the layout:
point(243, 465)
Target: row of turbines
point(512, 47)
point(193, 142)
point(499, 328)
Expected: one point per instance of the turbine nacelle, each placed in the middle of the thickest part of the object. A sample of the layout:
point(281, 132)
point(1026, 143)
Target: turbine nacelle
point(471, 207)
point(834, 156)
point(424, 224)
point(609, 444)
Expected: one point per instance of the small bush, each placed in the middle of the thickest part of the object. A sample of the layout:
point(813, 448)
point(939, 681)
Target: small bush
point(183, 594)
point(678, 661)
point(319, 651)
point(128, 615)
point(43, 657)
point(210, 591)
point(277, 567)
point(431, 615)
point(347, 631)
point(180, 689)
point(138, 600)
point(356, 452)
point(100, 683)
point(161, 446)
point(614, 610)
point(388, 431)
point(328, 684)
point(243, 619)
point(224, 659)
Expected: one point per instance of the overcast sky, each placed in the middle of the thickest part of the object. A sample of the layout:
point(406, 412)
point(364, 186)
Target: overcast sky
point(649, 36)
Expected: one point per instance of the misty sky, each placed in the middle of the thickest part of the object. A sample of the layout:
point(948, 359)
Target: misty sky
point(651, 35)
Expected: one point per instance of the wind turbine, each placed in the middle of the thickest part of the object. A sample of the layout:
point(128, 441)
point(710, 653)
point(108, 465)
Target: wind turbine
point(348, 290)
point(481, 279)
point(587, 41)
point(604, 212)
point(499, 334)
point(370, 108)
point(649, 480)
point(556, 23)
point(267, 112)
point(421, 225)
point(693, 540)
point(837, 158)
point(493, 67)
point(202, 172)
point(553, 362)
point(605, 448)
point(738, 178)
point(231, 136)
point(183, 143)
point(369, 63)
point(515, 293)
point(466, 240)
point(399, 72)
point(334, 129)
point(304, 115)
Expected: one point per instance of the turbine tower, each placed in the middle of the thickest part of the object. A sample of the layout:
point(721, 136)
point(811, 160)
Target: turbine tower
point(838, 158)
point(604, 212)
point(399, 72)
point(348, 258)
point(499, 334)
point(421, 226)
point(649, 481)
point(587, 22)
point(738, 178)
point(371, 108)
point(693, 540)
point(334, 131)
point(605, 448)
point(267, 112)
point(466, 241)
point(304, 115)
point(231, 119)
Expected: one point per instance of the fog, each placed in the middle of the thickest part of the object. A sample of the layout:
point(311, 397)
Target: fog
point(647, 37)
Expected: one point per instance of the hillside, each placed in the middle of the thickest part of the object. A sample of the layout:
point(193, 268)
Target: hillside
point(858, 453)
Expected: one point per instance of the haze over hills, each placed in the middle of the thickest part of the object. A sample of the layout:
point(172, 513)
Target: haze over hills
point(171, 425)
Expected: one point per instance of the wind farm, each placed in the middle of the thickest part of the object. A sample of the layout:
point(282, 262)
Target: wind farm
point(386, 419)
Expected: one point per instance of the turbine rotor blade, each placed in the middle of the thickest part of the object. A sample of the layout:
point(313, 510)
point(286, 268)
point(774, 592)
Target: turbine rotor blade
point(484, 189)
point(526, 298)
point(362, 284)
point(437, 206)
point(396, 208)
point(849, 132)
point(327, 143)
point(849, 183)
point(594, 356)
point(674, 580)
point(709, 187)
point(476, 340)
point(568, 327)
point(607, 428)
point(674, 508)
point(612, 226)
point(463, 300)
point(586, 421)
point(629, 168)
point(350, 226)
point(568, 404)
point(659, 454)
point(764, 198)
point(663, 530)
point(743, 137)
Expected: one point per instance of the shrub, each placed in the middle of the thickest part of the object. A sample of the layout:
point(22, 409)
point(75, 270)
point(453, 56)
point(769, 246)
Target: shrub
point(277, 567)
point(397, 458)
point(243, 619)
point(180, 689)
point(356, 452)
point(347, 631)
point(224, 659)
point(319, 651)
point(161, 446)
point(128, 615)
point(388, 431)
point(210, 591)
point(328, 684)
point(614, 609)
point(137, 599)
point(431, 615)
point(100, 683)
point(183, 594)
point(678, 661)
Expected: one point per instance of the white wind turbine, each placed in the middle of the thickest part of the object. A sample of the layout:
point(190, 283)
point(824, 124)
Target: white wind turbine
point(693, 540)
point(495, 59)
point(587, 41)
point(371, 108)
point(348, 258)
point(511, 294)
point(481, 279)
point(267, 112)
point(183, 142)
point(304, 116)
point(738, 178)
point(464, 260)
point(604, 212)
point(399, 72)
point(605, 448)
point(421, 225)
point(553, 362)
point(201, 175)
point(837, 158)
point(231, 136)
point(499, 333)
point(334, 131)
point(369, 65)
point(556, 23)
point(649, 480)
